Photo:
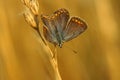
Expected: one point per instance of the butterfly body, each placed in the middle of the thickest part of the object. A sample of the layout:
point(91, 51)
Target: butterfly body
point(58, 28)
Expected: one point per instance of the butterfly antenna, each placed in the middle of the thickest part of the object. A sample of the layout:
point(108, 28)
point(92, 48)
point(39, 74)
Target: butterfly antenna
point(72, 49)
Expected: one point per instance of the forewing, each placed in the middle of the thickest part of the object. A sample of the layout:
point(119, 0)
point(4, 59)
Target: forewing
point(60, 19)
point(57, 21)
point(75, 27)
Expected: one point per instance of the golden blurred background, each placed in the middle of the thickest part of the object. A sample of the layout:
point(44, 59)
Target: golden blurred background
point(98, 48)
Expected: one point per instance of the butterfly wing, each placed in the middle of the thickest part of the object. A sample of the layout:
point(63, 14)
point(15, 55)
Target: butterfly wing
point(75, 27)
point(60, 18)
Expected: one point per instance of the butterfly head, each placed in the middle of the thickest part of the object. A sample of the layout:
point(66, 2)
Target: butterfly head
point(60, 44)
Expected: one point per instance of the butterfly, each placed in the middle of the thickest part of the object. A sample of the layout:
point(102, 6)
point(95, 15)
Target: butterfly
point(59, 27)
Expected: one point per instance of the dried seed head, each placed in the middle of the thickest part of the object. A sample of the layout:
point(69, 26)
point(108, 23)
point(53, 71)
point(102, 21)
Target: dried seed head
point(34, 7)
point(26, 2)
point(30, 18)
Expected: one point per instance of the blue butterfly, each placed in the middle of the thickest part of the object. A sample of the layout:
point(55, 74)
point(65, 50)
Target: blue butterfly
point(58, 28)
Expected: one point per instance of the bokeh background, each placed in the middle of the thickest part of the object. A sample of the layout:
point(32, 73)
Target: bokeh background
point(98, 48)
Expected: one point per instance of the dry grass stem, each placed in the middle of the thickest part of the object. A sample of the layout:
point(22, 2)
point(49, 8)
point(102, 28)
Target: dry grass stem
point(31, 17)
point(34, 6)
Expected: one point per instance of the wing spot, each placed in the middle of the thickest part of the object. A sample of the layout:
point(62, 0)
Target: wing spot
point(79, 22)
point(76, 20)
point(73, 19)
point(59, 13)
point(56, 14)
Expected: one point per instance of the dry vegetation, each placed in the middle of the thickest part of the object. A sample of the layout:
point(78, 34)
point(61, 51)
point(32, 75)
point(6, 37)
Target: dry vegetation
point(25, 56)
